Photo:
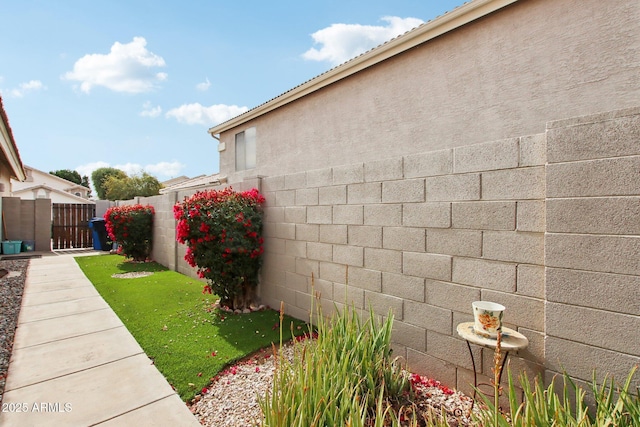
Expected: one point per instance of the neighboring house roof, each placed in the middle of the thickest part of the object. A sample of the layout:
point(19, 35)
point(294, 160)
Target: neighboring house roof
point(456, 18)
point(9, 147)
point(65, 194)
point(195, 183)
point(68, 185)
point(174, 181)
point(36, 177)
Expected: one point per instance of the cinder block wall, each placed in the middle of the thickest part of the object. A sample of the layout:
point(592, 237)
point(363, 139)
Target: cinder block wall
point(27, 220)
point(424, 235)
point(165, 250)
point(546, 224)
point(592, 244)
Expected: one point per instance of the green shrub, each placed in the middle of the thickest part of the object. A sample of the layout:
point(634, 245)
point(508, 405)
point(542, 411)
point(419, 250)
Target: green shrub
point(132, 228)
point(223, 233)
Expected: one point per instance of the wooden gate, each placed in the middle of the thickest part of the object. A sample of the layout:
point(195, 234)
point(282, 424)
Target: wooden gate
point(71, 225)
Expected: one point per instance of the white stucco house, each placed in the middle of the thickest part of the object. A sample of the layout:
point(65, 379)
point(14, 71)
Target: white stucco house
point(43, 185)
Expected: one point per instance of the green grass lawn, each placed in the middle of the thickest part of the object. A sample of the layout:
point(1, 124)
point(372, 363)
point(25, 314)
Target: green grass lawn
point(175, 323)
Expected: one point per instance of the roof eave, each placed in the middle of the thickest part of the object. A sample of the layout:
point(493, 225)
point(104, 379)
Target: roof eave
point(456, 18)
point(9, 147)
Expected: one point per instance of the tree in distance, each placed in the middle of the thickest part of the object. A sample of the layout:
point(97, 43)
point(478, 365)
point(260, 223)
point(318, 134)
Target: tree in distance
point(99, 177)
point(128, 187)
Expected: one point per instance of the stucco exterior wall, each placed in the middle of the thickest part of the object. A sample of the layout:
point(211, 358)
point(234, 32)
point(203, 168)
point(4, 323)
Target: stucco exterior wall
point(503, 75)
point(5, 179)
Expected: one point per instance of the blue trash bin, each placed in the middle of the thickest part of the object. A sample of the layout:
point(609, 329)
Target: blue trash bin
point(99, 231)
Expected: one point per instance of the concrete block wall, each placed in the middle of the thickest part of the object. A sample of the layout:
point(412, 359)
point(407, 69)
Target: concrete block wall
point(27, 220)
point(592, 244)
point(546, 224)
point(423, 235)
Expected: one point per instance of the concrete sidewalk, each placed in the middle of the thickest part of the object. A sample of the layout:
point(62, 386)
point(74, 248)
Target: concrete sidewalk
point(75, 364)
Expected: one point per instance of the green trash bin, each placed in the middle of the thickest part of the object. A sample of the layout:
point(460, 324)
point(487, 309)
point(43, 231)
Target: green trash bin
point(10, 247)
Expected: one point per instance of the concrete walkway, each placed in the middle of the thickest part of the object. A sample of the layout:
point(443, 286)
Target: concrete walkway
point(75, 364)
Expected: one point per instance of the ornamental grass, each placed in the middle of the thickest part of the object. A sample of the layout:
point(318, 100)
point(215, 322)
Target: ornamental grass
point(613, 405)
point(346, 376)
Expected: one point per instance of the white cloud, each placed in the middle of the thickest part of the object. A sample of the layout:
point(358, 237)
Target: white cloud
point(341, 42)
point(165, 169)
point(161, 170)
point(199, 114)
point(204, 86)
point(24, 88)
point(149, 110)
point(126, 68)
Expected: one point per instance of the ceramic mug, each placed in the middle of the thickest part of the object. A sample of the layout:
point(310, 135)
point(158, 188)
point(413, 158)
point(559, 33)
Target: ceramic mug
point(487, 317)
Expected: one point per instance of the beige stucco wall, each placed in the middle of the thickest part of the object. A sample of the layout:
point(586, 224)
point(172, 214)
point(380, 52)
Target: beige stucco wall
point(503, 75)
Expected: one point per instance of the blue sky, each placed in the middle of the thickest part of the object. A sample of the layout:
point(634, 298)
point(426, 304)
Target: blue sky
point(135, 84)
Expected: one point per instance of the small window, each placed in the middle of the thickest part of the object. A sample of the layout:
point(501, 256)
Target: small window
point(246, 149)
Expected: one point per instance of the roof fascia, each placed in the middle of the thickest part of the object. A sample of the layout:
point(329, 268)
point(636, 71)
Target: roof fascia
point(456, 18)
point(9, 147)
point(48, 175)
point(53, 190)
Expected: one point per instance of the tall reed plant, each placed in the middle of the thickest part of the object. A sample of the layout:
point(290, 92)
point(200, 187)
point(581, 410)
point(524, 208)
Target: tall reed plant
point(344, 377)
point(614, 405)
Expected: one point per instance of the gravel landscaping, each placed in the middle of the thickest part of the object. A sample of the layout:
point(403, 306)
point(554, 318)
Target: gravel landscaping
point(11, 288)
point(232, 398)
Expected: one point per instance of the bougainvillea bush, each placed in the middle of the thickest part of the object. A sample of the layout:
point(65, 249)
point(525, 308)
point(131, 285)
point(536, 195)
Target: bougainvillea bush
point(132, 228)
point(223, 233)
